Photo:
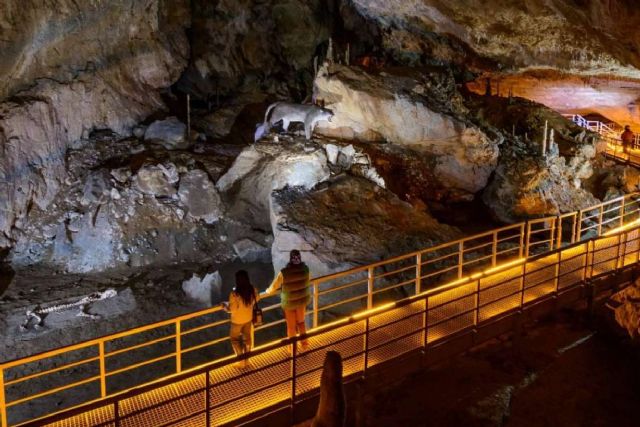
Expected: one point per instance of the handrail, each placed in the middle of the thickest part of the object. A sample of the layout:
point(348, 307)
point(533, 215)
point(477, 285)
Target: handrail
point(465, 257)
point(611, 136)
point(624, 242)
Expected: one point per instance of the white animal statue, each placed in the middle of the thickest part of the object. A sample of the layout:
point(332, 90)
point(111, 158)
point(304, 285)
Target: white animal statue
point(310, 115)
point(39, 313)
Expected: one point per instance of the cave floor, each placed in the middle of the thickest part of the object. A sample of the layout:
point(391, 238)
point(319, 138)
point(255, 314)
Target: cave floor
point(564, 374)
point(145, 295)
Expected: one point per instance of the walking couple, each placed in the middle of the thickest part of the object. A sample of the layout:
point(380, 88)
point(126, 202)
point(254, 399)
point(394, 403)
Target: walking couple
point(293, 281)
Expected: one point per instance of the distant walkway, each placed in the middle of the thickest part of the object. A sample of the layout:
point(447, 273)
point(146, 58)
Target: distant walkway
point(615, 150)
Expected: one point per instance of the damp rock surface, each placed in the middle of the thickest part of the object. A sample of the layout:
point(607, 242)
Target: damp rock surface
point(417, 113)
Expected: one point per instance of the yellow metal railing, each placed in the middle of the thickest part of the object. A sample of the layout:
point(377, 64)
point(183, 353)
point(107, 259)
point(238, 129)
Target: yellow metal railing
point(141, 355)
point(219, 394)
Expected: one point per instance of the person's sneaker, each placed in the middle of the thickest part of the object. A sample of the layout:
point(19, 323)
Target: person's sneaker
point(240, 364)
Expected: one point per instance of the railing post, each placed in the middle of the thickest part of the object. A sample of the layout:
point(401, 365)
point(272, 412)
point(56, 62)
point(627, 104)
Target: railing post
point(622, 244)
point(494, 249)
point(527, 237)
point(370, 280)
point(578, 235)
point(116, 413)
point(418, 273)
point(366, 347)
point(622, 204)
point(557, 271)
point(559, 233)
point(523, 279)
point(523, 231)
point(476, 316)
point(207, 396)
point(425, 324)
point(103, 373)
point(4, 422)
point(460, 258)
point(600, 214)
point(178, 347)
point(294, 357)
point(552, 233)
point(316, 300)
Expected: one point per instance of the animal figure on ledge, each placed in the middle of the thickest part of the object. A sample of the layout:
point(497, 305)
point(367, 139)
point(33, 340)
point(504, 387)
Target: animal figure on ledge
point(39, 313)
point(310, 115)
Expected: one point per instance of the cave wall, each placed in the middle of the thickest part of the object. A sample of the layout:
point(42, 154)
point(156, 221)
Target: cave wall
point(71, 67)
point(579, 36)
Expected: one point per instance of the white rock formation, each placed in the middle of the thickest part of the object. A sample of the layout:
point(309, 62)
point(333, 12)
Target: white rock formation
point(203, 290)
point(170, 133)
point(261, 169)
point(200, 196)
point(249, 250)
point(155, 180)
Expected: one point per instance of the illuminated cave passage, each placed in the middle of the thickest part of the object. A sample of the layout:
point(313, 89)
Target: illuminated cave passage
point(151, 150)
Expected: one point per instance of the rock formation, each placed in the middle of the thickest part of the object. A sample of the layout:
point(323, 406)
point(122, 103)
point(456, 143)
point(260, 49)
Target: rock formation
point(626, 310)
point(348, 222)
point(70, 68)
point(332, 409)
point(420, 112)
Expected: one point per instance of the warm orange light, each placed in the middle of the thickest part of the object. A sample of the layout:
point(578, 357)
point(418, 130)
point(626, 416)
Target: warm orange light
point(623, 228)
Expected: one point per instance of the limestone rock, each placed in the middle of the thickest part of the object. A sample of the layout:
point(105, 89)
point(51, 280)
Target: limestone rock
point(261, 169)
point(96, 189)
point(347, 222)
point(170, 133)
point(626, 309)
point(251, 251)
point(527, 186)
point(203, 290)
point(155, 181)
point(51, 94)
point(198, 194)
point(122, 175)
point(374, 108)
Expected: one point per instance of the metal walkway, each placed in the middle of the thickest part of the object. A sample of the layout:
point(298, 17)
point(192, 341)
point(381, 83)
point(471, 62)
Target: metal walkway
point(180, 371)
point(614, 150)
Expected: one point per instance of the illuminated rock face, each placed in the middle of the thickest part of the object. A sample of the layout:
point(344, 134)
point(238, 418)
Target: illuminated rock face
point(626, 310)
point(421, 115)
point(571, 56)
point(529, 186)
point(588, 38)
point(346, 222)
point(614, 98)
point(261, 169)
point(69, 68)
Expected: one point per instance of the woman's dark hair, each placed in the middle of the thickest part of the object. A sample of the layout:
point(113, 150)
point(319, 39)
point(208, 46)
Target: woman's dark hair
point(244, 288)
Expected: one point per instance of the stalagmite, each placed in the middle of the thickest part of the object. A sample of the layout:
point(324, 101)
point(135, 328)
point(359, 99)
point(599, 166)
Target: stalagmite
point(330, 51)
point(544, 139)
point(332, 406)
